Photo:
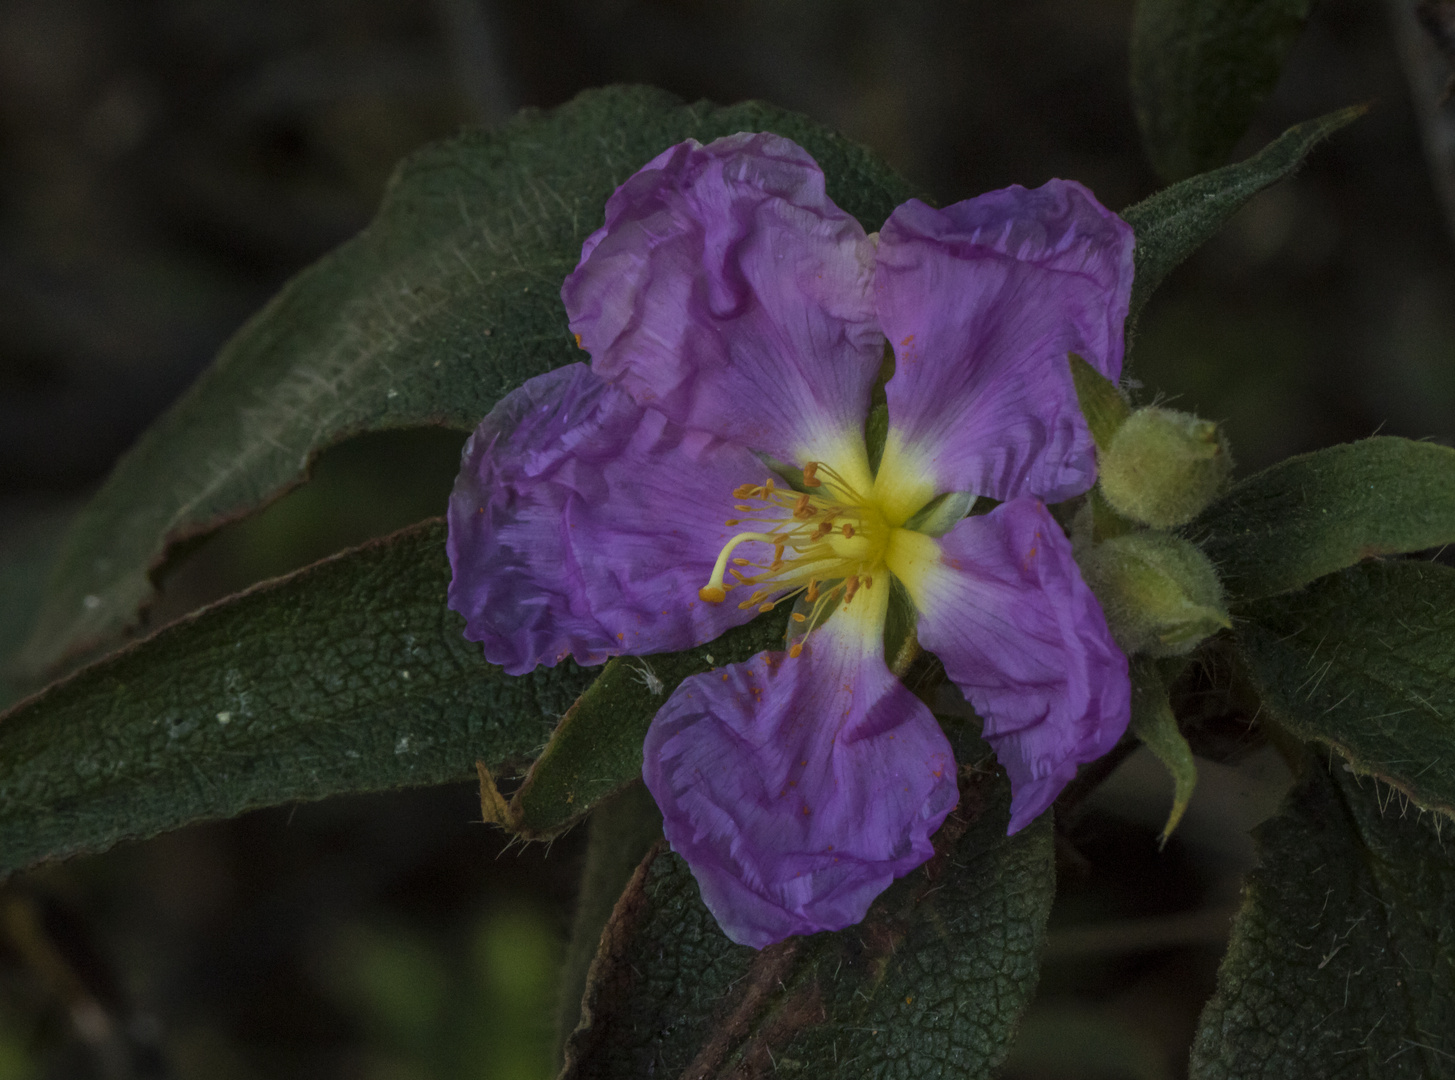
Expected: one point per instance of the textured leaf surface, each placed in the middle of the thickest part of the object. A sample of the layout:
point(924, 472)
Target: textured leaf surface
point(446, 302)
point(1200, 71)
point(348, 676)
point(1313, 514)
point(1364, 661)
point(597, 749)
point(1178, 220)
point(931, 984)
point(1342, 959)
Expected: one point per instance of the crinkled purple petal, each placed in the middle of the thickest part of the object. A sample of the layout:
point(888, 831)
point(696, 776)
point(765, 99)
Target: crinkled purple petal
point(798, 789)
point(1025, 640)
point(727, 290)
point(982, 301)
point(583, 525)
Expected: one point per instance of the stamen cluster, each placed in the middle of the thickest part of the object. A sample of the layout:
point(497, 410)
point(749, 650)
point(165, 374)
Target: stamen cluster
point(827, 543)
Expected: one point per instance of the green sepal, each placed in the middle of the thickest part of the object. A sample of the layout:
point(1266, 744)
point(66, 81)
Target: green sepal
point(1200, 71)
point(1363, 662)
point(596, 750)
point(1164, 467)
point(1160, 595)
point(1178, 220)
point(1101, 401)
point(348, 676)
point(1310, 515)
point(942, 513)
point(1154, 723)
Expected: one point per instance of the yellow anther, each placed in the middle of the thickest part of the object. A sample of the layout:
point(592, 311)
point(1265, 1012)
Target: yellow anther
point(810, 475)
point(744, 491)
point(799, 616)
point(796, 649)
point(847, 530)
point(742, 562)
point(765, 607)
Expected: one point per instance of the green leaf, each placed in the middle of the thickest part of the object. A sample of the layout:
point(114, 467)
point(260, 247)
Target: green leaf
point(1200, 71)
point(1153, 723)
point(931, 984)
point(1342, 959)
point(620, 834)
point(1364, 662)
point(449, 300)
point(348, 676)
point(1310, 515)
point(597, 748)
point(1178, 220)
point(1101, 402)
point(27, 549)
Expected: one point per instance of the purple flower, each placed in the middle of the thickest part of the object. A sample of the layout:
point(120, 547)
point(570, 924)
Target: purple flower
point(733, 315)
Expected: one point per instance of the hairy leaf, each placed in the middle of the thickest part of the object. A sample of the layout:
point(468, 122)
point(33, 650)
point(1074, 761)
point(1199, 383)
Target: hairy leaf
point(597, 749)
point(1342, 959)
point(446, 302)
point(931, 984)
point(1200, 71)
point(348, 676)
point(1178, 220)
point(1364, 661)
point(1310, 515)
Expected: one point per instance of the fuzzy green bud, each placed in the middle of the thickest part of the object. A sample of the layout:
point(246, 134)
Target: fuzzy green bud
point(1160, 594)
point(1164, 466)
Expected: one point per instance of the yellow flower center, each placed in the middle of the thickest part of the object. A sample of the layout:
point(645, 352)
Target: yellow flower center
point(828, 544)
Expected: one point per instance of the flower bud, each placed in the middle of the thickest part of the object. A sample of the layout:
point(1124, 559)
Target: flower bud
point(1159, 593)
point(1163, 466)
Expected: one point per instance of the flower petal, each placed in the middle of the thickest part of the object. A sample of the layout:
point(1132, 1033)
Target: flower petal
point(727, 290)
point(1006, 611)
point(583, 525)
point(798, 789)
point(982, 301)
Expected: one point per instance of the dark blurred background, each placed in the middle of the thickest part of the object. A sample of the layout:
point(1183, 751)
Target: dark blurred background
point(166, 164)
